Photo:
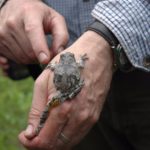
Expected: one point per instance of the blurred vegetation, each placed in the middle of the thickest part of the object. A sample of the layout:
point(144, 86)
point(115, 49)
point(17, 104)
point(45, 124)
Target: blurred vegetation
point(15, 102)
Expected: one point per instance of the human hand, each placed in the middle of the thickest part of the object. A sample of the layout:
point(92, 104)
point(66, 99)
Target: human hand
point(73, 118)
point(23, 26)
point(4, 65)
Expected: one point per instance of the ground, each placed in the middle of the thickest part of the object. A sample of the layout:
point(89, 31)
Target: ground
point(15, 101)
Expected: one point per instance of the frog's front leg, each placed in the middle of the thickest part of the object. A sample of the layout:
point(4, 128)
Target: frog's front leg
point(81, 61)
point(51, 66)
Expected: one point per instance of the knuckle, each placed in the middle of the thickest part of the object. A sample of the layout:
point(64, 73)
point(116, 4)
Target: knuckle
point(62, 18)
point(29, 27)
point(34, 113)
point(32, 55)
point(62, 114)
point(83, 116)
point(66, 37)
point(59, 16)
point(11, 22)
point(64, 111)
point(93, 119)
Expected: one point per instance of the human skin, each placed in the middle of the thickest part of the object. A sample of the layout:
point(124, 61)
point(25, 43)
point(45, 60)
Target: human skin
point(76, 117)
point(22, 36)
point(23, 25)
point(4, 64)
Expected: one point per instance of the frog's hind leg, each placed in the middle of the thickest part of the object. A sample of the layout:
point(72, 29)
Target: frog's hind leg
point(76, 90)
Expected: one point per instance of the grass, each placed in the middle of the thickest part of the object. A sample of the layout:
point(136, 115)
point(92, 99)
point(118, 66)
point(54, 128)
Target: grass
point(15, 102)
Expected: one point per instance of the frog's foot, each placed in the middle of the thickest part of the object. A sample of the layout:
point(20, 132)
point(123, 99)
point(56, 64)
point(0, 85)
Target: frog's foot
point(71, 93)
point(81, 62)
point(51, 66)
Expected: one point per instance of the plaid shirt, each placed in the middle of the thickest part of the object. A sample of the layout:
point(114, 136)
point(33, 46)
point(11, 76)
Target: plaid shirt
point(129, 20)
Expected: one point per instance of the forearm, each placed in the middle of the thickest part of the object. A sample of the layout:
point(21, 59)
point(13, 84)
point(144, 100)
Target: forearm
point(129, 21)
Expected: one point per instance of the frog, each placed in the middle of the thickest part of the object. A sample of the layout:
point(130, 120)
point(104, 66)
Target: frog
point(67, 76)
point(67, 80)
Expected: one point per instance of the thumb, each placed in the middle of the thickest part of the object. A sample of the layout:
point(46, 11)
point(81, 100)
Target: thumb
point(35, 33)
point(40, 96)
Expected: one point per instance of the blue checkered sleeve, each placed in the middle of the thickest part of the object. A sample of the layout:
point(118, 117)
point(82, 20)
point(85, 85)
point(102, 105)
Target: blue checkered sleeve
point(129, 20)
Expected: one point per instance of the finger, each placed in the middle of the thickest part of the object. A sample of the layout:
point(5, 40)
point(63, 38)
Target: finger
point(12, 50)
point(51, 130)
point(4, 64)
point(74, 134)
point(15, 29)
point(24, 43)
point(77, 126)
point(3, 60)
point(17, 51)
point(4, 49)
point(57, 26)
point(35, 32)
point(29, 143)
point(56, 121)
point(40, 96)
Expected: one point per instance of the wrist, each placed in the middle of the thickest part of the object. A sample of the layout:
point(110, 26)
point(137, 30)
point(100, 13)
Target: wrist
point(120, 59)
point(101, 47)
point(103, 31)
point(94, 42)
point(96, 47)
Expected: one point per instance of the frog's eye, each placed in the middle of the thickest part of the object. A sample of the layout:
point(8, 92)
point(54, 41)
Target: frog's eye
point(58, 77)
point(71, 59)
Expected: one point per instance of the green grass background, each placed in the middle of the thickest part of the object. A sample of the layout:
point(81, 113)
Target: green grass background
point(15, 102)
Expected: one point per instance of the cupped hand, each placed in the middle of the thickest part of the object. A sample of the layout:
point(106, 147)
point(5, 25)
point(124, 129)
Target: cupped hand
point(76, 117)
point(23, 25)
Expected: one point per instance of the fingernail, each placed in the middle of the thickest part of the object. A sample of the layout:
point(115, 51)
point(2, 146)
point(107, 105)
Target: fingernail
point(29, 131)
point(42, 57)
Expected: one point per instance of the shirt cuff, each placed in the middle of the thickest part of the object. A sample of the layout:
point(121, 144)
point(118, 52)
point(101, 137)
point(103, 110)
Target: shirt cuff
point(129, 22)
